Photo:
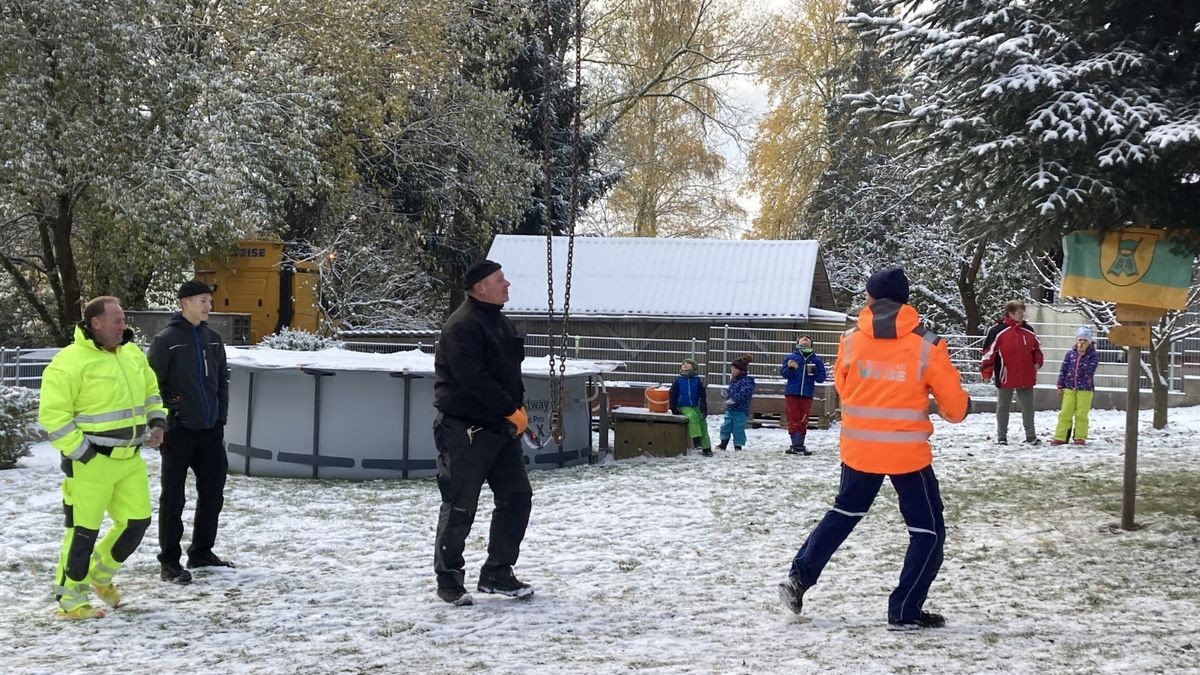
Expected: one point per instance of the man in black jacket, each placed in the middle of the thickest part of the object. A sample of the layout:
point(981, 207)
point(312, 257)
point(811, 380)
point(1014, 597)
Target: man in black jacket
point(193, 378)
point(480, 399)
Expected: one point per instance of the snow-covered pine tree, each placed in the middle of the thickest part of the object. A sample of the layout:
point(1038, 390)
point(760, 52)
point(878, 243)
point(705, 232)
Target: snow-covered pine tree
point(542, 73)
point(1049, 115)
point(868, 213)
point(18, 423)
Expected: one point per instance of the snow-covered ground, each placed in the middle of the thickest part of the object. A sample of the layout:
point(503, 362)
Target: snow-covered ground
point(656, 565)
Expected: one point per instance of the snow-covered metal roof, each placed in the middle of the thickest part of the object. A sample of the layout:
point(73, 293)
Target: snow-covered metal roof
point(615, 277)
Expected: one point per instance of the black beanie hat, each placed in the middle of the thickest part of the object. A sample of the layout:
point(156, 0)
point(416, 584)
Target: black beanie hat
point(193, 287)
point(889, 283)
point(478, 271)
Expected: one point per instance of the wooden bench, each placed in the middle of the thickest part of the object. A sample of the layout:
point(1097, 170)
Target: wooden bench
point(767, 407)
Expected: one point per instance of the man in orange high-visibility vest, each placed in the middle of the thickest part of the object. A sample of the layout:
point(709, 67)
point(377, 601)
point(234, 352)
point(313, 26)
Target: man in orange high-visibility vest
point(886, 369)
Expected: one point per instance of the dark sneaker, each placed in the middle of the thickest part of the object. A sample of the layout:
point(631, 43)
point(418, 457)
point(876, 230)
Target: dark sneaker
point(791, 451)
point(804, 451)
point(175, 574)
point(207, 560)
point(459, 597)
point(509, 585)
point(922, 620)
point(792, 594)
point(1033, 441)
point(1001, 441)
point(707, 452)
point(737, 447)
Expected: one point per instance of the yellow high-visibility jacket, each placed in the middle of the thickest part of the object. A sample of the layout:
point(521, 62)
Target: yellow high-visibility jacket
point(92, 396)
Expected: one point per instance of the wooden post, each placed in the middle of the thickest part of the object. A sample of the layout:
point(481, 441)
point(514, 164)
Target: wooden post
point(605, 421)
point(1133, 398)
point(1133, 333)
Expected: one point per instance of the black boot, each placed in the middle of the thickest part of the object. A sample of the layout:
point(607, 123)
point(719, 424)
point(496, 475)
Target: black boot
point(922, 620)
point(792, 594)
point(503, 584)
point(723, 444)
point(174, 573)
point(696, 441)
point(209, 559)
point(458, 596)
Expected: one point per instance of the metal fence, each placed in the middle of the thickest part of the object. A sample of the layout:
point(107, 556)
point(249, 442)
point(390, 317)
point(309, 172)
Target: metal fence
point(23, 367)
point(653, 360)
point(767, 347)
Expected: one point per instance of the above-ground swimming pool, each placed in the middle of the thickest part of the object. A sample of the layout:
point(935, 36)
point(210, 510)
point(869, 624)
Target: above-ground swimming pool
point(342, 414)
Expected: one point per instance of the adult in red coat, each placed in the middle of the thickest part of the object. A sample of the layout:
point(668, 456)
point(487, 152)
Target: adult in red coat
point(1012, 355)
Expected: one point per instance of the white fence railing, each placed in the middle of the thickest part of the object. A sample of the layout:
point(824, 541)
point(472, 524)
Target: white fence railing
point(23, 367)
point(652, 360)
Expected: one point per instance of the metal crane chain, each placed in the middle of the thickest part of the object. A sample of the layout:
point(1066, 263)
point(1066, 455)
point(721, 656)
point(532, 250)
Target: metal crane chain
point(548, 225)
point(558, 430)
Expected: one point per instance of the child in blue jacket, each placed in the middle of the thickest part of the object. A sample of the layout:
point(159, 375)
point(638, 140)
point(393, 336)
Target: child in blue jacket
point(689, 398)
point(737, 403)
point(1077, 383)
point(803, 370)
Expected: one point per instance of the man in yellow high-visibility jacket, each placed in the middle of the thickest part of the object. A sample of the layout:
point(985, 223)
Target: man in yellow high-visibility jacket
point(99, 405)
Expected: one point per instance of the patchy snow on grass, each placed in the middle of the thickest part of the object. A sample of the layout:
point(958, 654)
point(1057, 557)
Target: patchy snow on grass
point(663, 565)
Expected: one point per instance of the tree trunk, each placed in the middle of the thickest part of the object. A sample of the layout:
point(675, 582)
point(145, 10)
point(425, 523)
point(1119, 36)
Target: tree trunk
point(457, 296)
point(69, 310)
point(968, 275)
point(1160, 353)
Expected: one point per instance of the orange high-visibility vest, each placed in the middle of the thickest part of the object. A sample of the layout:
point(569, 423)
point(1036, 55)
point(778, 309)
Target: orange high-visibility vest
point(885, 371)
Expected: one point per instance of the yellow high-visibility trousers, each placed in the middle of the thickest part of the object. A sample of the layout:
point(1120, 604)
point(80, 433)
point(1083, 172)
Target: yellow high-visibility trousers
point(119, 487)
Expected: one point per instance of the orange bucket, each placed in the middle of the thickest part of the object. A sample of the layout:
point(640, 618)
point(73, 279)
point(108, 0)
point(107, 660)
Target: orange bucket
point(658, 399)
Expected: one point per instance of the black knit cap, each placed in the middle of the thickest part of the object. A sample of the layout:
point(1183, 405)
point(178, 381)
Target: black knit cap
point(889, 283)
point(478, 271)
point(193, 287)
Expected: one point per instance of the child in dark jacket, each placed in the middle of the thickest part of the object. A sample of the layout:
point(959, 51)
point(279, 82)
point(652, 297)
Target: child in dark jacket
point(737, 403)
point(688, 397)
point(802, 369)
point(1077, 384)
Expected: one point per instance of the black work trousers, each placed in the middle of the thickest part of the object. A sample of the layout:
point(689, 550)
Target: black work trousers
point(204, 453)
point(469, 456)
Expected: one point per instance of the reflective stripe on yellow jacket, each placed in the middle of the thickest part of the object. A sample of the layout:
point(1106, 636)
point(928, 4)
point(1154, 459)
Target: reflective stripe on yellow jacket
point(90, 395)
point(885, 371)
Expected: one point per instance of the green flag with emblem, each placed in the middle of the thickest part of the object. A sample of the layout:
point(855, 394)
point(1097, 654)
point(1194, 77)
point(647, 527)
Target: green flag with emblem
point(1137, 266)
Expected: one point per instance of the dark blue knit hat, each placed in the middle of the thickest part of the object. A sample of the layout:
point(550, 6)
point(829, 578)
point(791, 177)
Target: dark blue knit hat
point(478, 271)
point(889, 283)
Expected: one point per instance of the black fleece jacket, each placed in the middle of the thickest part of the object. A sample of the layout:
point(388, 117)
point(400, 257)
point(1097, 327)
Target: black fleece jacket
point(477, 365)
point(193, 377)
